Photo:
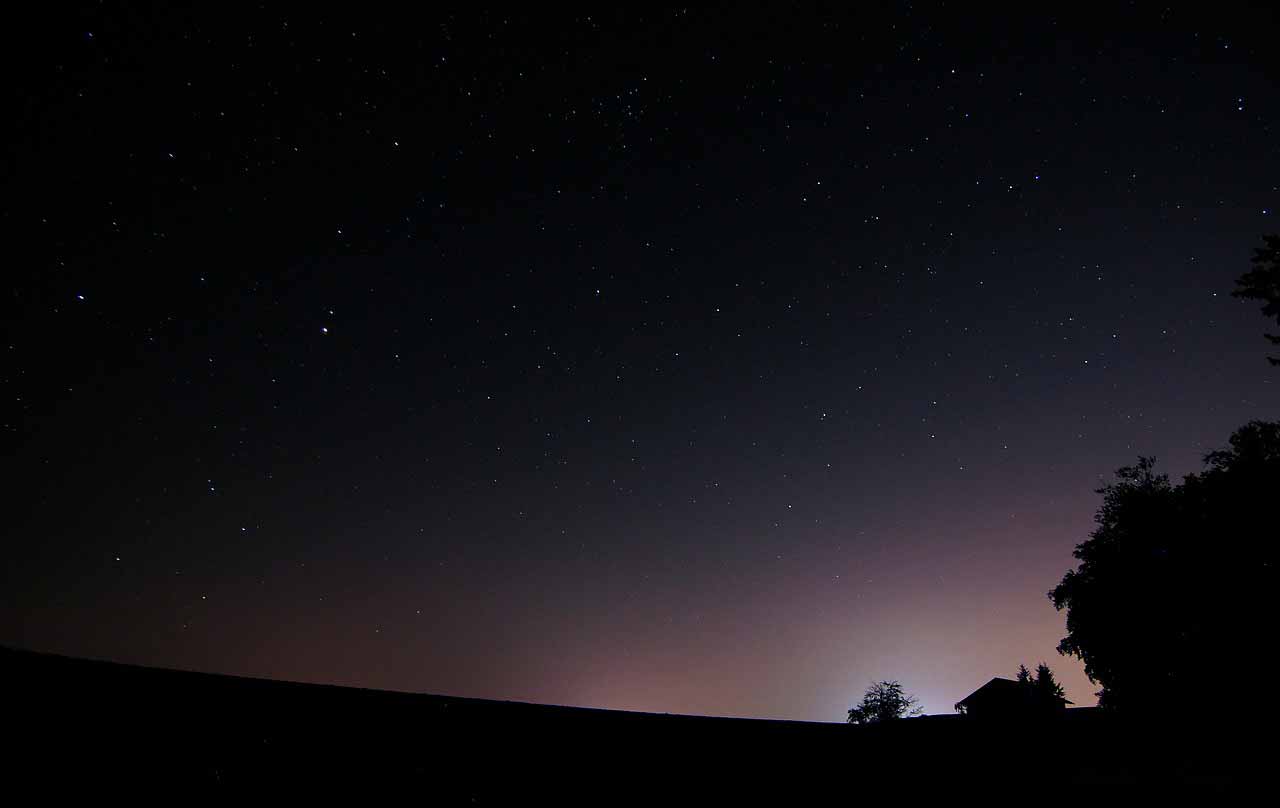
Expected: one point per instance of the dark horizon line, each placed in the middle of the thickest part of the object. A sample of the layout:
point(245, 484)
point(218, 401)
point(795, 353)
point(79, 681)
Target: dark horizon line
point(49, 655)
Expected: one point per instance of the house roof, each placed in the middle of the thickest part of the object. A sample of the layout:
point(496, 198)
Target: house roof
point(998, 687)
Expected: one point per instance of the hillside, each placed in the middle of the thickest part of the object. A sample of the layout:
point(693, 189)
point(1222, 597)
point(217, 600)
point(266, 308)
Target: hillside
point(114, 728)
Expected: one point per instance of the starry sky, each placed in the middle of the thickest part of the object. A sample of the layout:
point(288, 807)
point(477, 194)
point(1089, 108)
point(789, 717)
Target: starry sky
point(683, 361)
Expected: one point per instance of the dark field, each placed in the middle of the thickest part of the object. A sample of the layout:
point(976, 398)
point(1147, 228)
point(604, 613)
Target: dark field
point(77, 725)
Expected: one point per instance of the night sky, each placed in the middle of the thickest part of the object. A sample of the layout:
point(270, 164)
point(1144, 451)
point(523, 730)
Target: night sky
point(677, 361)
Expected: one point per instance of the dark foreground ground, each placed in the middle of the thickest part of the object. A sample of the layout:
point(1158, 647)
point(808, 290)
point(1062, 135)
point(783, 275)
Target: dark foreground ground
point(77, 725)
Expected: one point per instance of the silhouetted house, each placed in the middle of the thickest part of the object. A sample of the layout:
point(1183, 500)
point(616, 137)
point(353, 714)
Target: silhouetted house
point(1005, 698)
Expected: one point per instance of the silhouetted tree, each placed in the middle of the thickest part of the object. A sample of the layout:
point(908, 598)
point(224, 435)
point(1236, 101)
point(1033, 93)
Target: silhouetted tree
point(1176, 581)
point(1047, 689)
point(1042, 689)
point(884, 701)
point(1263, 283)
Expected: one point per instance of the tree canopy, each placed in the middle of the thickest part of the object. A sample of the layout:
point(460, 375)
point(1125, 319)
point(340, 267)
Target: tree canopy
point(1176, 580)
point(1263, 283)
point(884, 701)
